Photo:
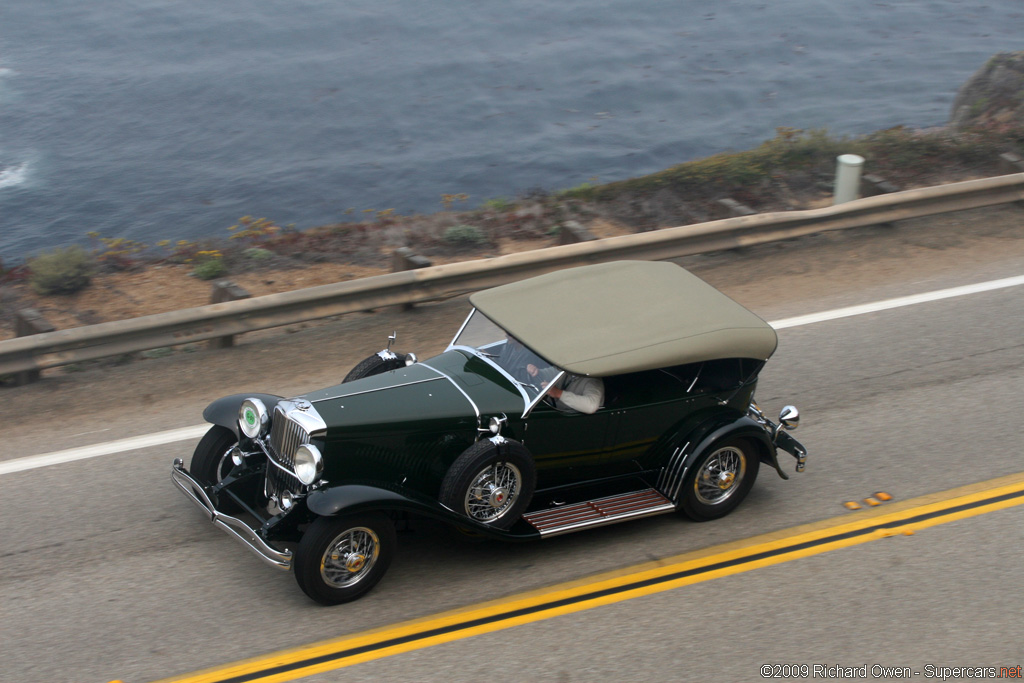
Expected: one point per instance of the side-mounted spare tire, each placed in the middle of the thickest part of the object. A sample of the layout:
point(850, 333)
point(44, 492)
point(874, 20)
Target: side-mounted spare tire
point(374, 365)
point(491, 482)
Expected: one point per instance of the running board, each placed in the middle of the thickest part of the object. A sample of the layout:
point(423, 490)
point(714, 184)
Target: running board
point(568, 518)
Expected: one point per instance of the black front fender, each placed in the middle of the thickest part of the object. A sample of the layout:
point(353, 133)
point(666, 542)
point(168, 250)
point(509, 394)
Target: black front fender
point(224, 411)
point(350, 498)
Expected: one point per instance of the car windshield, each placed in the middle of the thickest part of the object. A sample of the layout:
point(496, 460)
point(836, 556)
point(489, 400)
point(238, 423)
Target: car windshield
point(525, 367)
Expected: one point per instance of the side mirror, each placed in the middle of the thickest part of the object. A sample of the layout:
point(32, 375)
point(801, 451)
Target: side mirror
point(789, 418)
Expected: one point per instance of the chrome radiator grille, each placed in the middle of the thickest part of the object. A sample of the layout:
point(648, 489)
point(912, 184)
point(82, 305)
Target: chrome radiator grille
point(290, 428)
point(279, 480)
point(285, 437)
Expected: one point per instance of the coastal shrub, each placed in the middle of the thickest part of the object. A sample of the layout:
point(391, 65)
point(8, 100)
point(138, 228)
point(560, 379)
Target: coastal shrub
point(254, 229)
point(790, 148)
point(499, 204)
point(118, 253)
point(258, 254)
point(448, 200)
point(583, 191)
point(61, 271)
point(209, 265)
point(464, 236)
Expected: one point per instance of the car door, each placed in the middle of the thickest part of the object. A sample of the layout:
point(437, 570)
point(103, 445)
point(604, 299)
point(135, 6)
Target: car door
point(643, 408)
point(565, 445)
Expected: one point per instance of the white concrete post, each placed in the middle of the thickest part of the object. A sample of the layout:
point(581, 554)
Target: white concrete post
point(848, 168)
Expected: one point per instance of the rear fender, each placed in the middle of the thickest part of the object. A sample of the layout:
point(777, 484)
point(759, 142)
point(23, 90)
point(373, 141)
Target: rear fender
point(740, 428)
point(707, 435)
point(224, 411)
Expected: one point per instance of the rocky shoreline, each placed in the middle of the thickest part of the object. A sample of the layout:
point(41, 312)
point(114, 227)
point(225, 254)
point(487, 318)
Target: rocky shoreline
point(792, 171)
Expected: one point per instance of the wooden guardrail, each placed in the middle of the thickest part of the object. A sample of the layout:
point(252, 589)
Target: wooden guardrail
point(52, 349)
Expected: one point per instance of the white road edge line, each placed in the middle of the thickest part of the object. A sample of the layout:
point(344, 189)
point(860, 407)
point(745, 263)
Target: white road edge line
point(32, 462)
point(898, 302)
point(185, 433)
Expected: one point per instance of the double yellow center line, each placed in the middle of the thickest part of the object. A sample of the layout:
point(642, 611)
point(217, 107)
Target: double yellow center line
point(636, 581)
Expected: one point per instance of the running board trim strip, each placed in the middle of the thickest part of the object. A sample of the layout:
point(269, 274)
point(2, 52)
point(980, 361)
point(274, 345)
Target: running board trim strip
point(566, 519)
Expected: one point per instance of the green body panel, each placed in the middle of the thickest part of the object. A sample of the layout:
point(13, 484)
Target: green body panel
point(623, 437)
point(408, 425)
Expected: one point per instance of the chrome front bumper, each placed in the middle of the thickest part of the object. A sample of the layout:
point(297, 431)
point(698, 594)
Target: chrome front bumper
point(282, 559)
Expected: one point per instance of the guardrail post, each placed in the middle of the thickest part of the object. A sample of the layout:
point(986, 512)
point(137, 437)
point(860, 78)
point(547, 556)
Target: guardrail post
point(29, 321)
point(848, 168)
point(872, 185)
point(226, 290)
point(1011, 163)
point(571, 232)
point(733, 208)
point(404, 258)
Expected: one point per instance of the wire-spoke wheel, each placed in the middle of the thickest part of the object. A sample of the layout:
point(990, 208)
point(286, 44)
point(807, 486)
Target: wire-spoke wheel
point(493, 492)
point(350, 557)
point(341, 559)
point(719, 480)
point(491, 483)
point(720, 476)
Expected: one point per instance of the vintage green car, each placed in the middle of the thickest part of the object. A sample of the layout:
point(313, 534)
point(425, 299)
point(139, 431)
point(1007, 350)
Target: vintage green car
point(579, 398)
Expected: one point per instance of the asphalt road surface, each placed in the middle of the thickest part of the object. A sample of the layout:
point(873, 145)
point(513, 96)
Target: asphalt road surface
point(107, 572)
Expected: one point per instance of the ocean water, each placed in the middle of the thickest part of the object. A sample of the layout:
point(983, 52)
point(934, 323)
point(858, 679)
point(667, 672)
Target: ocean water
point(167, 119)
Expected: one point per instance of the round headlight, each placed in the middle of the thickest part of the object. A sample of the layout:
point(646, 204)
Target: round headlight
point(253, 417)
point(496, 424)
point(287, 500)
point(308, 463)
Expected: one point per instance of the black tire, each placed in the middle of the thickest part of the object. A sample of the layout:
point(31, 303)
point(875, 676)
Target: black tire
point(719, 480)
point(505, 470)
point(210, 461)
point(374, 365)
point(339, 559)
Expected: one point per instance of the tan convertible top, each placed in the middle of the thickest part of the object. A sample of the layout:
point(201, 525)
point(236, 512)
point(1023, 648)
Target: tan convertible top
point(626, 316)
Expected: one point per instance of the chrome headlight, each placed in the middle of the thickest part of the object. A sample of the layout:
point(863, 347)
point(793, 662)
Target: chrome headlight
point(496, 423)
point(309, 464)
point(253, 417)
